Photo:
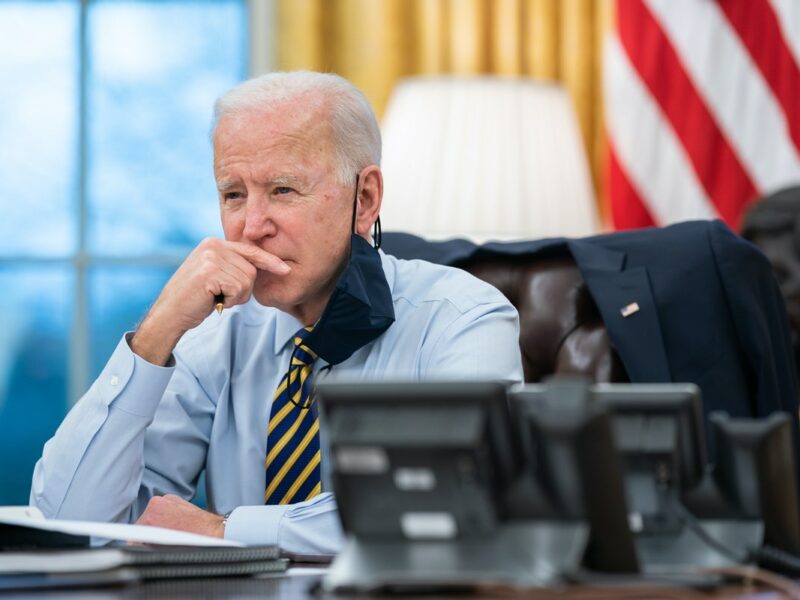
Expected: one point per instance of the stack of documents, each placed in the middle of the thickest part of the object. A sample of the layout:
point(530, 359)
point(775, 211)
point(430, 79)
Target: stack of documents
point(36, 552)
point(106, 566)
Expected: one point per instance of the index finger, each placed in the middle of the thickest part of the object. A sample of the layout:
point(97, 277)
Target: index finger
point(260, 258)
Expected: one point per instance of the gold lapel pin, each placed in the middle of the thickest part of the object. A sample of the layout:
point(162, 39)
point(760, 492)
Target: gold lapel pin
point(629, 310)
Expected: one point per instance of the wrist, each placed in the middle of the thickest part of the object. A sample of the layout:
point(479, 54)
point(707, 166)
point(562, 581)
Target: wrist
point(154, 342)
point(224, 523)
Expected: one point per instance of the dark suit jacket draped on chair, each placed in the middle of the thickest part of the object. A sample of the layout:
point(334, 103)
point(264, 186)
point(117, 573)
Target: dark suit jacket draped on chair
point(709, 309)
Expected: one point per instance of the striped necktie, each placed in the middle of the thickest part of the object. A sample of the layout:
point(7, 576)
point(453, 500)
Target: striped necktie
point(293, 456)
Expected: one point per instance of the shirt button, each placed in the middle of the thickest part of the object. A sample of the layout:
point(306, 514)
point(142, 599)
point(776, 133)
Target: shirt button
point(114, 380)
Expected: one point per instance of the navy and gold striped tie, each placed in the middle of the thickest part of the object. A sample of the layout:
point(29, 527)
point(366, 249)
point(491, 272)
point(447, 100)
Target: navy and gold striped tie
point(293, 456)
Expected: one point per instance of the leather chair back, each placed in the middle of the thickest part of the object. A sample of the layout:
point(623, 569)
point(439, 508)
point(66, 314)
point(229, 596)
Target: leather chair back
point(561, 330)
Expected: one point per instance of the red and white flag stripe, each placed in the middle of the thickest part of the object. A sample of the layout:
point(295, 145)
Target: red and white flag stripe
point(702, 107)
point(788, 12)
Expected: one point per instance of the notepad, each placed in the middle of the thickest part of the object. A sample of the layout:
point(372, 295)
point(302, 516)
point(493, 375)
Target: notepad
point(103, 566)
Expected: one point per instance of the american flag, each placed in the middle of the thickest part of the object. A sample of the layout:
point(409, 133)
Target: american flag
point(702, 103)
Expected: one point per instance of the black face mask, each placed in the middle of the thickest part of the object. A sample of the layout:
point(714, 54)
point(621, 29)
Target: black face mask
point(360, 308)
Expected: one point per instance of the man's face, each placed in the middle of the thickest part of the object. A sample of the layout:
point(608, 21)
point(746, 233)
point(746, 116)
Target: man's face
point(275, 174)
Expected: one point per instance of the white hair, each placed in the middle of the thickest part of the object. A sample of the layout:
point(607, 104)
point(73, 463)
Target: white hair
point(355, 132)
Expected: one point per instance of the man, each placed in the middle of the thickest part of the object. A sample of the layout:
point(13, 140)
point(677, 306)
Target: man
point(296, 160)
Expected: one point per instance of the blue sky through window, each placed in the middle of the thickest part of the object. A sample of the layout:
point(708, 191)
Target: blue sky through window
point(156, 70)
point(153, 72)
point(38, 127)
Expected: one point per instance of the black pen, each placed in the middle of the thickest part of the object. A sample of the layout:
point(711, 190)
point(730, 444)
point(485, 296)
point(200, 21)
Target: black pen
point(219, 302)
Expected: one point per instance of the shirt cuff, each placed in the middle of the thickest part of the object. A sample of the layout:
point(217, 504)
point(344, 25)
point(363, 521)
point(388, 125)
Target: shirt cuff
point(131, 383)
point(256, 525)
point(307, 530)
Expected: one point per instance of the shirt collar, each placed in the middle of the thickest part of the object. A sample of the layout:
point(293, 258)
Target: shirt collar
point(285, 328)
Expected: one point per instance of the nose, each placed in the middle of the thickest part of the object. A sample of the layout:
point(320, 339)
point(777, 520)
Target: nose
point(258, 220)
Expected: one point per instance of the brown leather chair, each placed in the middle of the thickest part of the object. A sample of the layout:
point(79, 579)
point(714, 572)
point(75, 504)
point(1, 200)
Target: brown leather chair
point(561, 330)
point(691, 302)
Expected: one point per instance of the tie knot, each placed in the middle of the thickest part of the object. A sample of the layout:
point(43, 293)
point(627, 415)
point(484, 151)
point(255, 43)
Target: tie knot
point(303, 354)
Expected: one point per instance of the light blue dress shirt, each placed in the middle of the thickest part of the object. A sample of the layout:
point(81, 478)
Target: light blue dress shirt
point(144, 430)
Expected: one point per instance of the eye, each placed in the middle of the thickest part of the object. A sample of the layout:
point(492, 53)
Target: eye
point(283, 190)
point(231, 196)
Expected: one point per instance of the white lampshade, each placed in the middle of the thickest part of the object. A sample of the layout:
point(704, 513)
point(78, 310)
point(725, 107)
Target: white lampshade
point(484, 158)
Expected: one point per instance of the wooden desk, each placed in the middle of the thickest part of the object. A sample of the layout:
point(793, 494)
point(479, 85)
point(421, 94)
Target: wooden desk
point(302, 586)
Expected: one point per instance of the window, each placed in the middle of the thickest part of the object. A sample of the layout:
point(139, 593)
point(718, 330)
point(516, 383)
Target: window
point(105, 184)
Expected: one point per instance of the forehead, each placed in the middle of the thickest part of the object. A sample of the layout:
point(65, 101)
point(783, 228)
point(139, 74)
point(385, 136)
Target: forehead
point(296, 132)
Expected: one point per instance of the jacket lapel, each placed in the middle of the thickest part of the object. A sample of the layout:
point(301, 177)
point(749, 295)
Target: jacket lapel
point(625, 300)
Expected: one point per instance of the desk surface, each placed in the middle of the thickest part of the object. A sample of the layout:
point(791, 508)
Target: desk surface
point(301, 585)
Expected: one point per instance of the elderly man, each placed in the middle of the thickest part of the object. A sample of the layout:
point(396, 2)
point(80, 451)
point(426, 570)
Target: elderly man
point(304, 294)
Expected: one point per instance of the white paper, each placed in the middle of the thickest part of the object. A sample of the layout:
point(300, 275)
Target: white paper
point(305, 571)
point(61, 562)
point(118, 531)
point(30, 512)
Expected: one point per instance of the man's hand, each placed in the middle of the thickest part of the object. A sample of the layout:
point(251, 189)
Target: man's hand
point(214, 267)
point(173, 512)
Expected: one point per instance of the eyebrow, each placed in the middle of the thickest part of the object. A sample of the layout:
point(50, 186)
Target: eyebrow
point(282, 180)
point(279, 180)
point(224, 186)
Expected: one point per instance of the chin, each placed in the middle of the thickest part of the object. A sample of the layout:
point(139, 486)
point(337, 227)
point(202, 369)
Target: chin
point(270, 290)
point(274, 299)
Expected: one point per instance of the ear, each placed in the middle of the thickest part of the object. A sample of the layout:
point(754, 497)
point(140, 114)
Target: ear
point(370, 196)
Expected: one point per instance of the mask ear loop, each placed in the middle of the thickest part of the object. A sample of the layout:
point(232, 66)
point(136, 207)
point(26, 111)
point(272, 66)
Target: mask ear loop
point(312, 395)
point(355, 205)
point(377, 233)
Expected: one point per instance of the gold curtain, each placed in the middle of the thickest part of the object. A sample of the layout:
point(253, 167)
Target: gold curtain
point(374, 43)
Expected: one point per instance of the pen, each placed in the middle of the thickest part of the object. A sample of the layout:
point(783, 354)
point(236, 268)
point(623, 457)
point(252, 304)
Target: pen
point(219, 302)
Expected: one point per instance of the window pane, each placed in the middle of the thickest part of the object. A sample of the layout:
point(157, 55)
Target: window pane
point(34, 329)
point(119, 298)
point(156, 69)
point(38, 108)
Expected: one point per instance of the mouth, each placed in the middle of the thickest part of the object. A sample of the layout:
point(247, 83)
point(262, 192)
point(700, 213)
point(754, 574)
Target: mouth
point(265, 273)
